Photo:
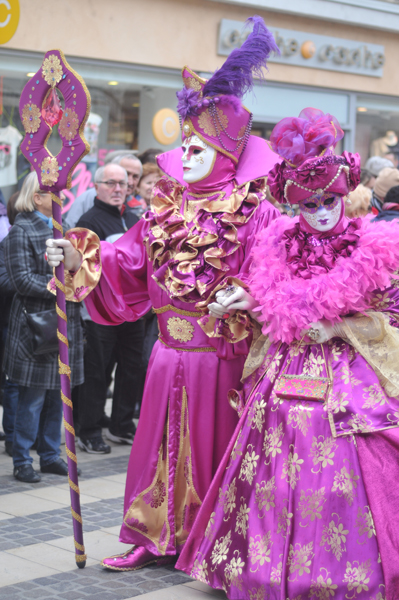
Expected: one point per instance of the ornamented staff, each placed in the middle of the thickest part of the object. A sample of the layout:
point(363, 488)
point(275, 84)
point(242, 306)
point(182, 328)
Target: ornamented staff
point(40, 110)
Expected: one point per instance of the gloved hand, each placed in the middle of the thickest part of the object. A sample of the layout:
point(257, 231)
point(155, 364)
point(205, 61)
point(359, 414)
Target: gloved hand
point(322, 331)
point(231, 300)
point(62, 250)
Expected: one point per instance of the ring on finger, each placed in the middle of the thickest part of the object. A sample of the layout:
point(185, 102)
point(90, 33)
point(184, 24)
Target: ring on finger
point(313, 333)
point(230, 290)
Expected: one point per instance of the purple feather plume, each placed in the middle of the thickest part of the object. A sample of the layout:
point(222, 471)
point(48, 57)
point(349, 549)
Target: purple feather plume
point(235, 77)
point(187, 102)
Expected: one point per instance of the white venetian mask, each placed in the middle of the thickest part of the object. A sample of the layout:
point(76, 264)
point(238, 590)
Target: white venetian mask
point(321, 212)
point(198, 159)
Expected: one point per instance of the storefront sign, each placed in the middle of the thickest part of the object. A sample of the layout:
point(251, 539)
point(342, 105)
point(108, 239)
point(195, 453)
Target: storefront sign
point(9, 19)
point(165, 126)
point(311, 50)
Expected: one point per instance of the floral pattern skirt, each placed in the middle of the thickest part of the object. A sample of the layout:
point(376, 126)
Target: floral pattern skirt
point(292, 520)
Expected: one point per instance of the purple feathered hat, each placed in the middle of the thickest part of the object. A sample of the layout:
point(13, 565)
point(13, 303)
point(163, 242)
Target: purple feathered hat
point(212, 109)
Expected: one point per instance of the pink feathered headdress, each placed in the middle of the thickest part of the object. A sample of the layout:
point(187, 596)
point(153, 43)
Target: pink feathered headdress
point(310, 166)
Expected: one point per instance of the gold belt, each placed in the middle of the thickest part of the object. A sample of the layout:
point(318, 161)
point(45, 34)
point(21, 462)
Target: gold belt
point(179, 311)
point(187, 349)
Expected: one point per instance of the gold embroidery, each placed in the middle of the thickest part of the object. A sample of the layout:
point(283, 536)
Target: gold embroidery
point(323, 452)
point(242, 519)
point(292, 466)
point(233, 570)
point(180, 329)
point(311, 504)
point(313, 365)
point(272, 443)
point(69, 124)
point(345, 483)
point(360, 424)
point(257, 593)
point(192, 83)
point(365, 523)
point(323, 586)
point(210, 528)
point(284, 522)
point(49, 171)
point(205, 122)
point(31, 117)
point(206, 349)
point(299, 416)
point(236, 452)
point(275, 575)
point(299, 560)
point(200, 570)
point(256, 414)
point(357, 576)
point(227, 498)
point(52, 70)
point(374, 396)
point(264, 496)
point(334, 538)
point(220, 550)
point(179, 311)
point(259, 550)
point(248, 465)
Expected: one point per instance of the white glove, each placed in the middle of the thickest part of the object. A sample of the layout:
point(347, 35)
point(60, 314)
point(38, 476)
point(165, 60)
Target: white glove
point(228, 303)
point(320, 332)
point(62, 251)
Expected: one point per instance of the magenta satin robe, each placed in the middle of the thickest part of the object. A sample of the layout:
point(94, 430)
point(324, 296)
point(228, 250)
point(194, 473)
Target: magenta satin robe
point(186, 421)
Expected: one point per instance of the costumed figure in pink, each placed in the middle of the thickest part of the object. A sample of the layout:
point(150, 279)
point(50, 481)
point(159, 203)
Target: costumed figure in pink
point(196, 241)
point(305, 501)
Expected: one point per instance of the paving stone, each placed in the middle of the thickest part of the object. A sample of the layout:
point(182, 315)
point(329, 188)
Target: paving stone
point(152, 586)
point(37, 593)
point(72, 596)
point(8, 591)
point(63, 576)
point(26, 585)
point(44, 581)
point(155, 574)
point(131, 592)
point(113, 585)
point(177, 578)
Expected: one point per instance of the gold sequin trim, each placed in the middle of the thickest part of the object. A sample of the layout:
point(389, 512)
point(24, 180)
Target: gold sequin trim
point(179, 311)
point(69, 427)
point(71, 455)
point(56, 199)
point(205, 122)
point(52, 70)
point(60, 312)
point(79, 546)
point(180, 329)
point(62, 337)
point(59, 285)
point(31, 118)
point(57, 225)
point(73, 486)
point(66, 400)
point(187, 349)
point(76, 516)
point(80, 557)
point(49, 171)
point(63, 368)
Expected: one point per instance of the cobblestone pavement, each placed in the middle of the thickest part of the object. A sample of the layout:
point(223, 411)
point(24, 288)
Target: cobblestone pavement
point(36, 542)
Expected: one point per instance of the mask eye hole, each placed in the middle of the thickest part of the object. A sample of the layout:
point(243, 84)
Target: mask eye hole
point(197, 151)
point(329, 201)
point(310, 205)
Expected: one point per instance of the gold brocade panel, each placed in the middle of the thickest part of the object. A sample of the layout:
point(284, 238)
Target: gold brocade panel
point(148, 513)
point(187, 502)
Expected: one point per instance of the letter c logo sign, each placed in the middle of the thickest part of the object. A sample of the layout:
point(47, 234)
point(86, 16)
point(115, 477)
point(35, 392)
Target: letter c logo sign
point(9, 19)
point(165, 126)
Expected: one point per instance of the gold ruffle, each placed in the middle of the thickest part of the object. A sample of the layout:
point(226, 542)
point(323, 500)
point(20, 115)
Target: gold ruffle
point(378, 342)
point(78, 285)
point(235, 328)
point(176, 241)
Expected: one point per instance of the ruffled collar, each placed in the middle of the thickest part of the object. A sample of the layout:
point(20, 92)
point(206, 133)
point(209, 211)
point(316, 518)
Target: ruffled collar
point(344, 278)
point(191, 236)
point(309, 255)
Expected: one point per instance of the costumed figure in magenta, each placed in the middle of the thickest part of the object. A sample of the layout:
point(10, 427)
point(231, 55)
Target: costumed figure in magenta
point(304, 503)
point(196, 241)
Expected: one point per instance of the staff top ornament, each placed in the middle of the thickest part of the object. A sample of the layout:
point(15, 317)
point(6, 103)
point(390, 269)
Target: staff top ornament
point(40, 110)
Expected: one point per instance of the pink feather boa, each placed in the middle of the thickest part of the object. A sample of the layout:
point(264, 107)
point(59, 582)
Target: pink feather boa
point(288, 304)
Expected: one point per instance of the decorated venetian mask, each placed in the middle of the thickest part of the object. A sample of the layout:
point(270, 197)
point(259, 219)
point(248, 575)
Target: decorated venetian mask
point(322, 212)
point(198, 159)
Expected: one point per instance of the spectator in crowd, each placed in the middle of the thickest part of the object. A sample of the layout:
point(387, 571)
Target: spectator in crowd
point(387, 178)
point(39, 410)
point(359, 202)
point(105, 343)
point(149, 156)
point(150, 175)
point(7, 291)
point(129, 161)
point(372, 169)
point(390, 208)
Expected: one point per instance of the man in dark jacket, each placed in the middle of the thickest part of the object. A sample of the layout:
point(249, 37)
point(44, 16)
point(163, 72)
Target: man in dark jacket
point(104, 343)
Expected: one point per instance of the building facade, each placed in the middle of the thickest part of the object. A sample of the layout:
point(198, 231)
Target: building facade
point(336, 55)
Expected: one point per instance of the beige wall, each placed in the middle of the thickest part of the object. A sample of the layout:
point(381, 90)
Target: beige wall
point(171, 33)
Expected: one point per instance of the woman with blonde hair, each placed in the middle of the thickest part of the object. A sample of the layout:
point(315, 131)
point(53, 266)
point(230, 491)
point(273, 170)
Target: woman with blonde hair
point(35, 369)
point(359, 202)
